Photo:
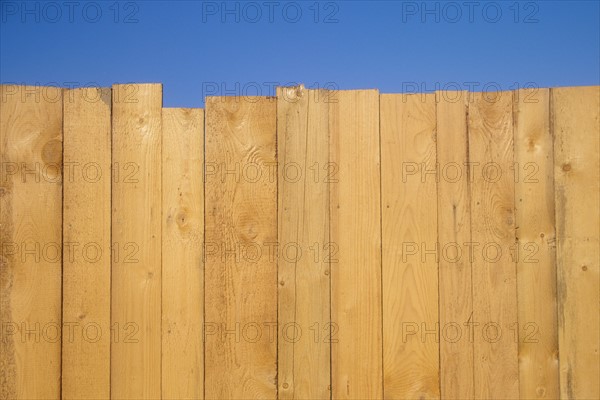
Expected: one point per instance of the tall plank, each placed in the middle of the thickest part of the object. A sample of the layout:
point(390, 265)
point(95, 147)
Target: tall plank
point(136, 238)
point(536, 264)
point(183, 266)
point(86, 237)
point(356, 357)
point(496, 369)
point(241, 233)
point(454, 229)
point(31, 241)
point(410, 268)
point(303, 226)
point(575, 124)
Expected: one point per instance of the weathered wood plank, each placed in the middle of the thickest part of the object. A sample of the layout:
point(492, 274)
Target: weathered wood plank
point(183, 265)
point(303, 226)
point(87, 250)
point(31, 241)
point(490, 127)
point(536, 262)
point(576, 129)
point(356, 357)
point(241, 232)
point(410, 267)
point(454, 230)
point(136, 238)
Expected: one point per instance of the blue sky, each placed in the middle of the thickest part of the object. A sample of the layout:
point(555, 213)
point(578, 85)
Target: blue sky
point(216, 48)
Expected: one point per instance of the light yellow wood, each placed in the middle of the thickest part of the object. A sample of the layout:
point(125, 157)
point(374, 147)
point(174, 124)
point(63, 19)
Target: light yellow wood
point(136, 238)
point(183, 265)
point(410, 268)
point(31, 241)
point(496, 369)
point(454, 229)
point(356, 357)
point(303, 225)
point(332, 220)
point(241, 231)
point(576, 129)
point(87, 252)
point(536, 262)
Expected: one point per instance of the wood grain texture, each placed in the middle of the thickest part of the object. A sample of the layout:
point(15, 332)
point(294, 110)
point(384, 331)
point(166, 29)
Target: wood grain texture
point(536, 263)
point(87, 251)
point(303, 226)
point(183, 265)
point(136, 237)
point(316, 245)
point(241, 231)
point(490, 127)
point(410, 267)
point(31, 241)
point(576, 128)
point(356, 357)
point(454, 229)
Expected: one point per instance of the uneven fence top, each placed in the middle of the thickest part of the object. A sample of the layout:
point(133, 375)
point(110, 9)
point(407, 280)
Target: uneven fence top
point(316, 244)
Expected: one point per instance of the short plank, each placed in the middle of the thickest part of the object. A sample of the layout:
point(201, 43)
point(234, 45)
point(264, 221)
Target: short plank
point(86, 238)
point(241, 233)
point(410, 267)
point(183, 265)
point(303, 226)
point(356, 355)
point(31, 241)
point(575, 124)
point(454, 229)
point(136, 239)
point(536, 262)
point(496, 369)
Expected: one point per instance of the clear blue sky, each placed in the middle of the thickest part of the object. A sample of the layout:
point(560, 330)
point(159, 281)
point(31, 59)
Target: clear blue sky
point(202, 48)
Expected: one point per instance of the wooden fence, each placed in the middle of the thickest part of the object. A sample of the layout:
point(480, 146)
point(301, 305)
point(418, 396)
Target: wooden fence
point(312, 245)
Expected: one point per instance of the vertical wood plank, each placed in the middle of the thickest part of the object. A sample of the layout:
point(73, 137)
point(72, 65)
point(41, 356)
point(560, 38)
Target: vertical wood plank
point(31, 241)
point(86, 238)
point(303, 226)
point(536, 264)
point(241, 232)
point(576, 128)
point(490, 127)
point(182, 241)
point(356, 358)
point(410, 268)
point(136, 236)
point(454, 229)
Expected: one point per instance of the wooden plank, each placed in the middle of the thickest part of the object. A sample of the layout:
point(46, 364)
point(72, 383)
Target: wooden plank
point(575, 124)
point(490, 127)
point(31, 241)
point(86, 235)
point(303, 226)
point(536, 262)
point(136, 236)
point(410, 268)
point(241, 231)
point(183, 265)
point(454, 229)
point(356, 358)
